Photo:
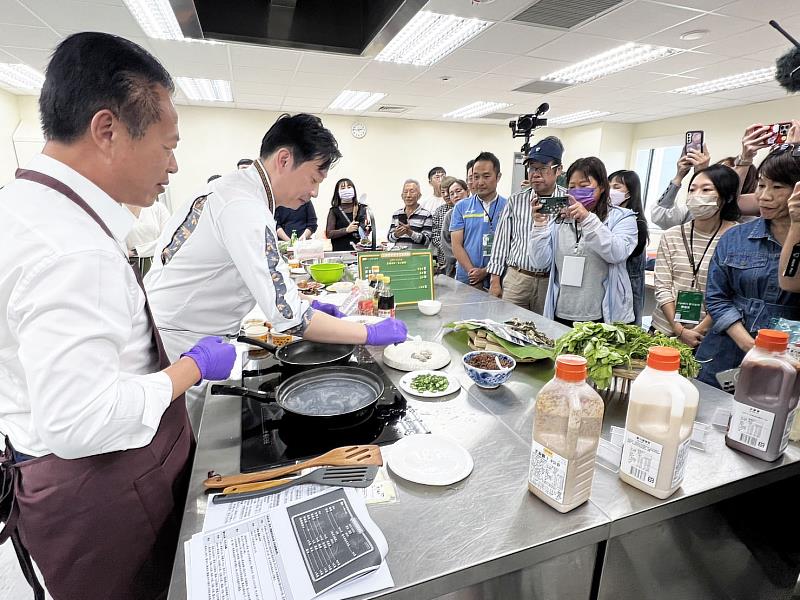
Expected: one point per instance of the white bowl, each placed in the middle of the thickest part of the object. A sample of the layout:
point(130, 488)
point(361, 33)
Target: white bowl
point(429, 307)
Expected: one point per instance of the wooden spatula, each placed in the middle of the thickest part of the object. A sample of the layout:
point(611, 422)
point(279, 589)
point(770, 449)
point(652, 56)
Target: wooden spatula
point(338, 457)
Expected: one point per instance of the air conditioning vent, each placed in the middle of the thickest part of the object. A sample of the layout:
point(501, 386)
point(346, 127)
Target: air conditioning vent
point(393, 109)
point(541, 87)
point(563, 14)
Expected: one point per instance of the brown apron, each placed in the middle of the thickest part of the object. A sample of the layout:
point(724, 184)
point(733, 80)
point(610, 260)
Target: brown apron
point(102, 526)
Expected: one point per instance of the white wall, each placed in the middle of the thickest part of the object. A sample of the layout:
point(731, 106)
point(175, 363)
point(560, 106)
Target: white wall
point(9, 119)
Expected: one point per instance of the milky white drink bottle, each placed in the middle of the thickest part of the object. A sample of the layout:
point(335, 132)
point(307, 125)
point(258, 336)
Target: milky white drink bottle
point(566, 430)
point(658, 428)
point(765, 401)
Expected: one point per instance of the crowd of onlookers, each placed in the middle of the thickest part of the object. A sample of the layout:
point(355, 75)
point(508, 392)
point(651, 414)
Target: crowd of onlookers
point(572, 244)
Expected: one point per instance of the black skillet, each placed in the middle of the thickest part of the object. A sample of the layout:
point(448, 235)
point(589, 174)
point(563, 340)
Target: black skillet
point(326, 397)
point(304, 354)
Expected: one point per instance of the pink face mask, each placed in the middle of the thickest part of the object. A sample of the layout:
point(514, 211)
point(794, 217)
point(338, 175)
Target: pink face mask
point(584, 195)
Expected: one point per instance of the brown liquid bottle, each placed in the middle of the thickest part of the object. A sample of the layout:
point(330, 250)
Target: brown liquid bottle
point(765, 400)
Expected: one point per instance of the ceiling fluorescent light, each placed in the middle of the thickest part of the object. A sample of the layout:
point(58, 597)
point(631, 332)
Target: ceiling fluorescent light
point(476, 109)
point(355, 100)
point(156, 18)
point(615, 60)
point(207, 90)
point(583, 115)
point(429, 37)
point(731, 82)
point(20, 77)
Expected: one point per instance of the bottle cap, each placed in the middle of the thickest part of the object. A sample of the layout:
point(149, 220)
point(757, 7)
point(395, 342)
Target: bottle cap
point(772, 340)
point(663, 358)
point(376, 269)
point(387, 279)
point(571, 367)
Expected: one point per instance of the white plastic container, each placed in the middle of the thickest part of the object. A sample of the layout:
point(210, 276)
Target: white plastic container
point(566, 430)
point(661, 412)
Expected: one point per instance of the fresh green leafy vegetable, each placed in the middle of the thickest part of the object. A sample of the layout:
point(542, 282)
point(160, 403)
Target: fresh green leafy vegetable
point(607, 346)
point(429, 383)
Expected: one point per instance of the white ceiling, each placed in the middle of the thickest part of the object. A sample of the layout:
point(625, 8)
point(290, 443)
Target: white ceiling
point(505, 56)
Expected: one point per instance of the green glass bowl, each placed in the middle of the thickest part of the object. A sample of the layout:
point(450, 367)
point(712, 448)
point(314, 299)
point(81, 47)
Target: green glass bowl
point(326, 273)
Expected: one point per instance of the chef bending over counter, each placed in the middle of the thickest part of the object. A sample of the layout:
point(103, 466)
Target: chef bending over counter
point(218, 254)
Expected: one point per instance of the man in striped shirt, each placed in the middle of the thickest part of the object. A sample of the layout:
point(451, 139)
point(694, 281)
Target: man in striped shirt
point(513, 277)
point(411, 225)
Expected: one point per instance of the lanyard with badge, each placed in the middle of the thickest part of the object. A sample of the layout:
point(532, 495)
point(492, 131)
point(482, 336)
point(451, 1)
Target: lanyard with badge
point(572, 267)
point(488, 238)
point(689, 303)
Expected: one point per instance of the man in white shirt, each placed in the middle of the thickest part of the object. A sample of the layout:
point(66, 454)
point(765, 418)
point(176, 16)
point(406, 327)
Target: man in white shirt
point(431, 203)
point(148, 226)
point(218, 255)
point(98, 445)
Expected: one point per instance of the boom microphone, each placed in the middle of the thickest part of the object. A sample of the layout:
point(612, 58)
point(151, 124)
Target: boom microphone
point(787, 67)
point(543, 108)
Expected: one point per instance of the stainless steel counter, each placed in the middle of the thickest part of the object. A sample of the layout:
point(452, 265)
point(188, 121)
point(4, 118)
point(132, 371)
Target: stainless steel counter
point(486, 536)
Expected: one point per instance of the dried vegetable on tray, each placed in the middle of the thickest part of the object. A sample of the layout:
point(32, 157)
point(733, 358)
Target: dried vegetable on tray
point(520, 339)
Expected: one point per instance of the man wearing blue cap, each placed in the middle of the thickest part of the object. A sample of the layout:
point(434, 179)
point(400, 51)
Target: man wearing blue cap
point(513, 277)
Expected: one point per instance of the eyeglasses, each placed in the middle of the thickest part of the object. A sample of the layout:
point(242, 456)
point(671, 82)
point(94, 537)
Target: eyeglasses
point(542, 170)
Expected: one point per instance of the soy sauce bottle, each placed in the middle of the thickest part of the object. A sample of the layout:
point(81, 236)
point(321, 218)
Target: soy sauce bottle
point(386, 299)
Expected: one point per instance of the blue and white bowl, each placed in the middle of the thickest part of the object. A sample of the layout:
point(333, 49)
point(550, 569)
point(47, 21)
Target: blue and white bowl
point(487, 378)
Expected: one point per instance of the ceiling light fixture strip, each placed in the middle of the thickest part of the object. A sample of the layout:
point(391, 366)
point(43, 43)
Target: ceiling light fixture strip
point(429, 37)
point(156, 18)
point(206, 90)
point(730, 82)
point(475, 110)
point(612, 61)
point(355, 100)
point(21, 77)
point(583, 115)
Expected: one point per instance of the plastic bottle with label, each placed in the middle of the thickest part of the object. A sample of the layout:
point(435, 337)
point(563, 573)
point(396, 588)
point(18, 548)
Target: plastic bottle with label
point(566, 430)
point(765, 401)
point(658, 428)
point(377, 292)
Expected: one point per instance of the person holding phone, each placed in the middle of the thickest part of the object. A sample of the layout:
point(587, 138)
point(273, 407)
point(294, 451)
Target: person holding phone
point(585, 251)
point(685, 252)
point(742, 295)
point(790, 255)
point(347, 218)
point(513, 277)
point(411, 225)
point(666, 213)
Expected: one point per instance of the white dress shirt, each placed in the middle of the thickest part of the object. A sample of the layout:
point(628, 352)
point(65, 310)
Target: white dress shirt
point(431, 203)
point(77, 364)
point(148, 226)
point(221, 269)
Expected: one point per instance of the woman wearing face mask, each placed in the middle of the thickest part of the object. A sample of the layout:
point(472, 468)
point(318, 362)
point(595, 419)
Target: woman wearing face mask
point(626, 192)
point(685, 252)
point(742, 293)
point(347, 219)
point(585, 250)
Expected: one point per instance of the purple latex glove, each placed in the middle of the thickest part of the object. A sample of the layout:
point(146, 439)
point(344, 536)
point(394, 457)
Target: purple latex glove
point(388, 331)
point(328, 309)
point(213, 357)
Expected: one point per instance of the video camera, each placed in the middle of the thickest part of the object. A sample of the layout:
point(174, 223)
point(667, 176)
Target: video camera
point(525, 125)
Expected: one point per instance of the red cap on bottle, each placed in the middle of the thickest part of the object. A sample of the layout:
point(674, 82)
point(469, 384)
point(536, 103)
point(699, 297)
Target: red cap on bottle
point(772, 340)
point(664, 358)
point(571, 367)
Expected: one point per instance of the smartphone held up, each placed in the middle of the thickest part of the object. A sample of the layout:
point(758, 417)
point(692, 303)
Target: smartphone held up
point(694, 141)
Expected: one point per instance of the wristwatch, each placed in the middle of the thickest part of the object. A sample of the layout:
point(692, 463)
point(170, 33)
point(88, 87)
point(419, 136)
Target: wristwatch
point(739, 162)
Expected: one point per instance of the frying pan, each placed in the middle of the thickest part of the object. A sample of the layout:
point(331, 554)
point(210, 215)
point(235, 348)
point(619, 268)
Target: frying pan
point(305, 354)
point(329, 397)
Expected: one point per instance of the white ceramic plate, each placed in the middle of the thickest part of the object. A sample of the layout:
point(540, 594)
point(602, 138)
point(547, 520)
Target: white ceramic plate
point(298, 271)
point(452, 387)
point(429, 459)
point(340, 287)
point(364, 319)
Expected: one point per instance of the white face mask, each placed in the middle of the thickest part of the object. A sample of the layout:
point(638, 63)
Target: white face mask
point(702, 207)
point(618, 197)
point(347, 194)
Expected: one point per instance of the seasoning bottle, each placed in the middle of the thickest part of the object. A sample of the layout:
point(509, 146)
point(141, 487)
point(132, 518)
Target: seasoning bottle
point(566, 430)
point(765, 401)
point(386, 299)
point(376, 293)
point(658, 428)
point(293, 238)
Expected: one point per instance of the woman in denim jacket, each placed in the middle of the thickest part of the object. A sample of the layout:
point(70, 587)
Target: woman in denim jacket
point(742, 293)
point(601, 236)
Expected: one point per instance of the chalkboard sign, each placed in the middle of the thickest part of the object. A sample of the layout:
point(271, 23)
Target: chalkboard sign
point(411, 272)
